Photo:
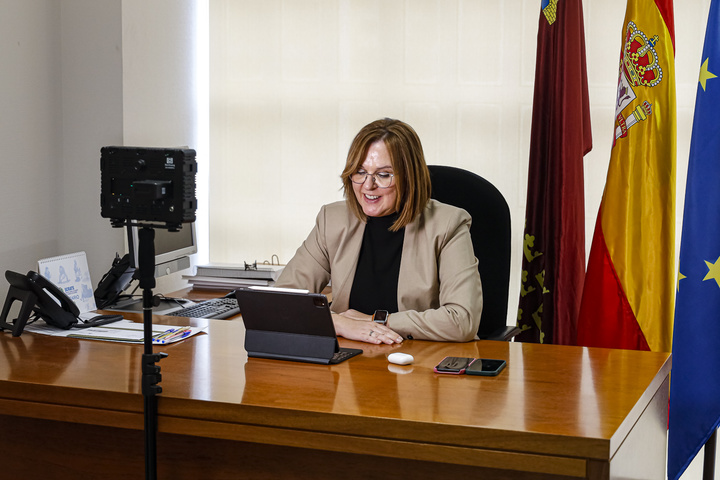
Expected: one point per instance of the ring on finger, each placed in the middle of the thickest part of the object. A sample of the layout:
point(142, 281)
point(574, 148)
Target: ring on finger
point(371, 333)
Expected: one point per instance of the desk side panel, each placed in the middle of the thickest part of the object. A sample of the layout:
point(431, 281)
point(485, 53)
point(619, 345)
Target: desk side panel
point(36, 448)
point(643, 454)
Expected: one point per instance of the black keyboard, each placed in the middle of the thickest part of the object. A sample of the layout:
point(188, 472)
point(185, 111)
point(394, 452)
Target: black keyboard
point(214, 308)
point(343, 354)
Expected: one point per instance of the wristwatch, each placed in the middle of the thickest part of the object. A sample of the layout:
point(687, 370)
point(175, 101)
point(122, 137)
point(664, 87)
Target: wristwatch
point(381, 316)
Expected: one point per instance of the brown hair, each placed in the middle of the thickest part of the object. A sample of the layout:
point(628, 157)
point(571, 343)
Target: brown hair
point(412, 177)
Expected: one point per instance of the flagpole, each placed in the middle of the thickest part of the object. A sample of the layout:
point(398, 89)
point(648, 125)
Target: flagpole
point(709, 460)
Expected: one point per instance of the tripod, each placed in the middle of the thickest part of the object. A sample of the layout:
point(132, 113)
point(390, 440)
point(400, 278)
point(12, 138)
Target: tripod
point(153, 185)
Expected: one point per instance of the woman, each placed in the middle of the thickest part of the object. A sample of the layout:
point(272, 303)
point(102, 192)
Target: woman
point(389, 247)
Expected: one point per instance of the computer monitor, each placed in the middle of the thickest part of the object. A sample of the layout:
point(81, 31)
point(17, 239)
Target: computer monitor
point(172, 249)
point(172, 254)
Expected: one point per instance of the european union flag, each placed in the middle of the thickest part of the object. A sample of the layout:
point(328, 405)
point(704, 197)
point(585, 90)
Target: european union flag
point(695, 378)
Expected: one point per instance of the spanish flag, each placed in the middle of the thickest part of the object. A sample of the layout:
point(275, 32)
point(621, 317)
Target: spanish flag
point(628, 294)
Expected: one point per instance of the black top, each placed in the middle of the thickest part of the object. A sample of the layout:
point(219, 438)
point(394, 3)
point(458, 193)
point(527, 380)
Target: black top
point(376, 278)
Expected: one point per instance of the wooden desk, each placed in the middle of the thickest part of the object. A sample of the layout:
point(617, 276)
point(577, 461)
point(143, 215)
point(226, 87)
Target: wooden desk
point(73, 409)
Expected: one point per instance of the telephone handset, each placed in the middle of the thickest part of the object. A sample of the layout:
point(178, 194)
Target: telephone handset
point(42, 297)
point(53, 305)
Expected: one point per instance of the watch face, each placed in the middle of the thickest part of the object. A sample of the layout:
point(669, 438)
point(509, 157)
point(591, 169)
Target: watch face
point(380, 316)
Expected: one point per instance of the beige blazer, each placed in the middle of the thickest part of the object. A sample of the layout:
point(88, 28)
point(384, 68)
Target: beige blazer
point(439, 288)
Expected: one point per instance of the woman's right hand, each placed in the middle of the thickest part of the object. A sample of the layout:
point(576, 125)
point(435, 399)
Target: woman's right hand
point(354, 325)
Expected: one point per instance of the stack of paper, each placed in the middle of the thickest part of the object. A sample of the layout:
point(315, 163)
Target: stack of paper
point(232, 276)
point(124, 331)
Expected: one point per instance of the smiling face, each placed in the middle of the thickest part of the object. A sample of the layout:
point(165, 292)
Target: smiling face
point(376, 201)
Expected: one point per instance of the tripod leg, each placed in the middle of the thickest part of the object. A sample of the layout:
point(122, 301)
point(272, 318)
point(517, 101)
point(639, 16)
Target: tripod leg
point(151, 372)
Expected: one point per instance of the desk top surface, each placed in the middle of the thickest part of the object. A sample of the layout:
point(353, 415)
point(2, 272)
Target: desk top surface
point(556, 392)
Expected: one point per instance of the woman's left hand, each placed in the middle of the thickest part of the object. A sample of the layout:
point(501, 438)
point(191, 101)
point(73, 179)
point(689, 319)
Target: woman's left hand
point(355, 325)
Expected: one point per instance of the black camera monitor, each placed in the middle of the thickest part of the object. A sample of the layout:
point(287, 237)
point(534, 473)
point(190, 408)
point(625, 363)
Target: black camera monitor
point(146, 184)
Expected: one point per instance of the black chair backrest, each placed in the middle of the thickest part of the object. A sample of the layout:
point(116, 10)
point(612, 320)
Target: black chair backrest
point(490, 232)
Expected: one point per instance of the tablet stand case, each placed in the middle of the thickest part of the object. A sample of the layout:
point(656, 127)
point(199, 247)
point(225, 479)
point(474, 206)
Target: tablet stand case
point(288, 326)
point(290, 346)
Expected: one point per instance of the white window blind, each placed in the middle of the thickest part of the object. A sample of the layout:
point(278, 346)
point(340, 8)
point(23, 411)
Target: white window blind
point(292, 81)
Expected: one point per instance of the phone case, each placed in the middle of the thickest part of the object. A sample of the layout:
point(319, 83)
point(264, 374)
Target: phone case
point(486, 367)
point(453, 365)
point(48, 301)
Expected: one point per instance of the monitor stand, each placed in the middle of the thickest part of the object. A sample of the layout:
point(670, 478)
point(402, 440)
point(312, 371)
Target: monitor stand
point(136, 305)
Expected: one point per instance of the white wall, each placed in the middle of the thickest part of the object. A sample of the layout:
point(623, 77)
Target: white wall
point(30, 133)
point(78, 75)
point(91, 94)
point(59, 100)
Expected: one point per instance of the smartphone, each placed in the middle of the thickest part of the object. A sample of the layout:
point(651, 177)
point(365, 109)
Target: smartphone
point(454, 365)
point(486, 366)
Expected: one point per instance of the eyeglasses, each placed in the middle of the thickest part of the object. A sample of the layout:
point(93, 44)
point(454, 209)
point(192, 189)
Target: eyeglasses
point(381, 179)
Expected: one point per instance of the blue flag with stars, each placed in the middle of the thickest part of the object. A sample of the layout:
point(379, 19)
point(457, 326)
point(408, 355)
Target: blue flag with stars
point(695, 378)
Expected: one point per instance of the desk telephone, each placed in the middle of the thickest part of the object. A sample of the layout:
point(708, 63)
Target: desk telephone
point(45, 300)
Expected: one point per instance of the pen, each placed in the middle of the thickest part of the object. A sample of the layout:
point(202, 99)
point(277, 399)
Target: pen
point(165, 334)
point(181, 333)
point(172, 338)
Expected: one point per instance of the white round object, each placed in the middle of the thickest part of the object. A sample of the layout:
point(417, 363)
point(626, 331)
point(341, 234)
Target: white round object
point(400, 358)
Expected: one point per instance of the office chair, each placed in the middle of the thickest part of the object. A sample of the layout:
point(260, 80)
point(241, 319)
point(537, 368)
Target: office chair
point(490, 232)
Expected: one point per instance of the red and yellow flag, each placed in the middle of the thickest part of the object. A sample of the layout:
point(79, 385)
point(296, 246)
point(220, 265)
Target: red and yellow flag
point(628, 295)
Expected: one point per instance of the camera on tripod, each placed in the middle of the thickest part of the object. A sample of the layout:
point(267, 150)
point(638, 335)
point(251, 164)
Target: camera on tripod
point(149, 188)
point(146, 184)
